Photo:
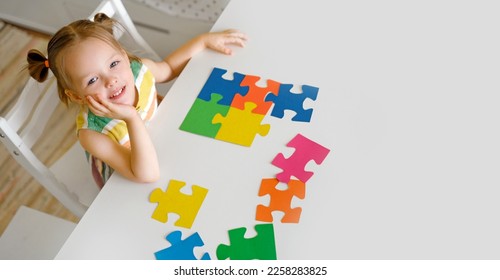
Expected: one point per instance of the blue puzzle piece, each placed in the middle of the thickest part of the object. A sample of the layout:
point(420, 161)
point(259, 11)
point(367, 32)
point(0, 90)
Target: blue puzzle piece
point(227, 88)
point(286, 100)
point(181, 249)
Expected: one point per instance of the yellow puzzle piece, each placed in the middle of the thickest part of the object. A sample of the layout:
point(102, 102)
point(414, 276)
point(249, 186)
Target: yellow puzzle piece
point(241, 126)
point(174, 201)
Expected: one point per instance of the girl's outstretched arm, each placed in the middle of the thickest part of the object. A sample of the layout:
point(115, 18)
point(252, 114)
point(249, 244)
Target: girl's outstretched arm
point(174, 63)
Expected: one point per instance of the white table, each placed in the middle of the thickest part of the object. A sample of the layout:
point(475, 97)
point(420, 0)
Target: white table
point(408, 104)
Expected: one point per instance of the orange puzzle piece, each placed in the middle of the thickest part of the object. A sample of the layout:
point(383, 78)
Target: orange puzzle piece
point(280, 200)
point(256, 95)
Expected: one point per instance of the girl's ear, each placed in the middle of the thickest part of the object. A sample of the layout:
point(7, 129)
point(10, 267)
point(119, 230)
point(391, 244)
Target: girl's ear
point(74, 97)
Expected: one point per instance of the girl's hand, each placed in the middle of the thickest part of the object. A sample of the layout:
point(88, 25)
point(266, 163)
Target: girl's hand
point(138, 163)
point(173, 64)
point(218, 40)
point(104, 108)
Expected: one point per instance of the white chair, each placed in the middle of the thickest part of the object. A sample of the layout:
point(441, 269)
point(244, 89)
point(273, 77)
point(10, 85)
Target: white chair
point(69, 179)
point(34, 235)
point(21, 128)
point(131, 40)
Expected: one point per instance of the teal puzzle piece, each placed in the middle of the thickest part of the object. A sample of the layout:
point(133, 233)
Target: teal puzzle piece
point(285, 99)
point(216, 83)
point(181, 249)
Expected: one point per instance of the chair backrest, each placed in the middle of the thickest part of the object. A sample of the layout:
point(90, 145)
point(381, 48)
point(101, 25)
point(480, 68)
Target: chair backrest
point(23, 125)
point(131, 39)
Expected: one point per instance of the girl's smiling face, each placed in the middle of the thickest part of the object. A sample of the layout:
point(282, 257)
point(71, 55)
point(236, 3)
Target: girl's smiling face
point(97, 69)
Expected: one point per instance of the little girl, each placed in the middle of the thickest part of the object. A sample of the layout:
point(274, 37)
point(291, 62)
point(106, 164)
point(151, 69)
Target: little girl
point(116, 91)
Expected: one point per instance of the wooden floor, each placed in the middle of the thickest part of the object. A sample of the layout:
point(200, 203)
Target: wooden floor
point(17, 187)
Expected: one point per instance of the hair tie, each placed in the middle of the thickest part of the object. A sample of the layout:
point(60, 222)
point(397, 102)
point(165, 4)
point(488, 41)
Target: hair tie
point(46, 62)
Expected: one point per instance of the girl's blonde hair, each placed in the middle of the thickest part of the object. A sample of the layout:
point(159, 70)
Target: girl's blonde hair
point(38, 65)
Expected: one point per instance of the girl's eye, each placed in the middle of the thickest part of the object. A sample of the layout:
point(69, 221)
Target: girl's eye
point(91, 81)
point(113, 64)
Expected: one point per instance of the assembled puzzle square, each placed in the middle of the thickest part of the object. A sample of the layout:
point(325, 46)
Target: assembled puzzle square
point(233, 109)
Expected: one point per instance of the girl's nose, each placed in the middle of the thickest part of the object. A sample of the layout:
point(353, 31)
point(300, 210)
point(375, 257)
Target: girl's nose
point(110, 82)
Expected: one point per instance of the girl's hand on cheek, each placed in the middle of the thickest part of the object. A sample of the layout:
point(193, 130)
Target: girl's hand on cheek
point(104, 108)
point(95, 106)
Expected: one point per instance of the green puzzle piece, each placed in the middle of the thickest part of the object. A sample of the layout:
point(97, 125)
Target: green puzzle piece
point(199, 118)
point(260, 247)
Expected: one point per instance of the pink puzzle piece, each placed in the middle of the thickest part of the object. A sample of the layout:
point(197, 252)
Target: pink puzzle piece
point(305, 151)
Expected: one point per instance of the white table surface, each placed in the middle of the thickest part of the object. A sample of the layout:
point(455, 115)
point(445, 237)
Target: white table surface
point(408, 103)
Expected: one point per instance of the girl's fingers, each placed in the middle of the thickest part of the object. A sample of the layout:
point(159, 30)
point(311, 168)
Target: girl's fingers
point(235, 41)
point(97, 106)
point(235, 36)
point(239, 35)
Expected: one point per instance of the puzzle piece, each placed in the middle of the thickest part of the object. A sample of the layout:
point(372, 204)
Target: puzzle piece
point(287, 100)
point(256, 95)
point(226, 88)
point(260, 247)
point(181, 249)
point(305, 151)
point(174, 201)
point(199, 118)
point(241, 126)
point(280, 200)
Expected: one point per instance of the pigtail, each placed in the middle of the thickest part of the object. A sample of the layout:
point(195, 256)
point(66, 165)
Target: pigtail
point(38, 65)
point(105, 21)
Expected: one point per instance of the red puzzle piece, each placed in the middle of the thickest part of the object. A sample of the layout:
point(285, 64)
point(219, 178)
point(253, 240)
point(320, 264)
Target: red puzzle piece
point(305, 151)
point(280, 200)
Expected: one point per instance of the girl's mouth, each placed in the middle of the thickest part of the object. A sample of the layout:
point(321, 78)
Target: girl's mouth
point(117, 94)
